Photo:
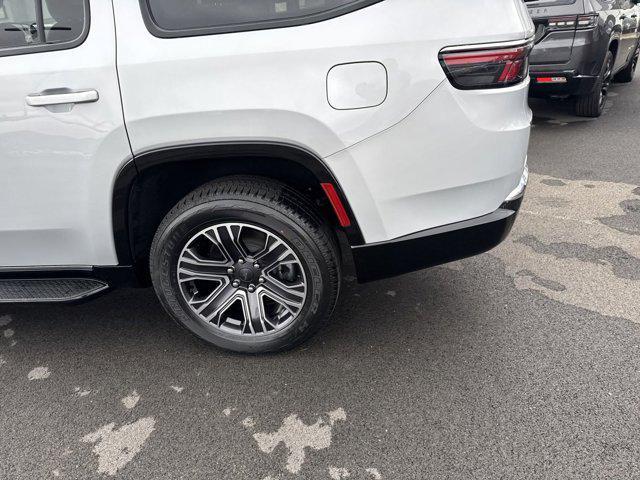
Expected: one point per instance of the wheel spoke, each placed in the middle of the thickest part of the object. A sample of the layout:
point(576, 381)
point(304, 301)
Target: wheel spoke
point(218, 303)
point(254, 306)
point(277, 253)
point(203, 302)
point(289, 296)
point(227, 242)
point(246, 310)
point(193, 267)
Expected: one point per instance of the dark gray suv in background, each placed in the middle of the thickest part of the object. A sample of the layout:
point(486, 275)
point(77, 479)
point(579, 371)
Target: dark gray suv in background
point(581, 46)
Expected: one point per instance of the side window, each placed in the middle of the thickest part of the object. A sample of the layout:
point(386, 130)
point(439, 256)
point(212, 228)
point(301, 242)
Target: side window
point(197, 17)
point(33, 25)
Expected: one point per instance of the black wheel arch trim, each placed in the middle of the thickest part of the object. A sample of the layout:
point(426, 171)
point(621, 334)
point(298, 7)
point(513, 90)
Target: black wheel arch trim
point(141, 162)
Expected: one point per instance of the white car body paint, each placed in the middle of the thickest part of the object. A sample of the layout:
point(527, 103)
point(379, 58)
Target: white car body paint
point(357, 85)
point(456, 157)
point(427, 155)
point(57, 167)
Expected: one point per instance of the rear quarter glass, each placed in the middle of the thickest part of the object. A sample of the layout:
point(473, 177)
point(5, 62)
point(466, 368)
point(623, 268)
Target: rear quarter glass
point(179, 18)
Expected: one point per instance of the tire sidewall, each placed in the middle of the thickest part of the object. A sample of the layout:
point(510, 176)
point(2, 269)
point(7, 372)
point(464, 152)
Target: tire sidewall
point(173, 238)
point(608, 63)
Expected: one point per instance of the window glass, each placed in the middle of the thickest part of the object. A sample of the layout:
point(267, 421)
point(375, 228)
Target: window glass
point(22, 25)
point(193, 14)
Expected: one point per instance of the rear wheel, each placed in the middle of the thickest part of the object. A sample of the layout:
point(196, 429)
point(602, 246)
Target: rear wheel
point(246, 264)
point(626, 75)
point(592, 105)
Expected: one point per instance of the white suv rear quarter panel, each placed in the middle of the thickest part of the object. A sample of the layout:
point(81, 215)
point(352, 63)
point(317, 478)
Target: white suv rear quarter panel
point(457, 157)
point(429, 155)
point(271, 84)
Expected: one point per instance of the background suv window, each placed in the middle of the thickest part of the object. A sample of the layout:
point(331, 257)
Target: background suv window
point(237, 15)
point(26, 24)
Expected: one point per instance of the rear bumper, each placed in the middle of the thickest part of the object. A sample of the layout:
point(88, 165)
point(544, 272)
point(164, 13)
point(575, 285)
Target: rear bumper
point(575, 84)
point(439, 245)
point(579, 59)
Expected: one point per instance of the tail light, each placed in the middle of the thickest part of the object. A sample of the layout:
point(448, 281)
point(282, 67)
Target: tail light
point(480, 68)
point(572, 22)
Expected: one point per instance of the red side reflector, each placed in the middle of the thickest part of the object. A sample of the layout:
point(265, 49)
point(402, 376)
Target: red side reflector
point(336, 203)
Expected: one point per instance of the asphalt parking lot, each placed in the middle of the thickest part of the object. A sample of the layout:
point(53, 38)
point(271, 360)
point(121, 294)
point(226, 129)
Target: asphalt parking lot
point(520, 363)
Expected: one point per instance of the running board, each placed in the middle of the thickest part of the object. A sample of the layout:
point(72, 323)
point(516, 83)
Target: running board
point(39, 290)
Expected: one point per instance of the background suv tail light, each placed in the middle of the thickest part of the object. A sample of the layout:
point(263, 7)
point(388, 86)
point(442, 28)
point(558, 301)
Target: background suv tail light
point(480, 68)
point(572, 22)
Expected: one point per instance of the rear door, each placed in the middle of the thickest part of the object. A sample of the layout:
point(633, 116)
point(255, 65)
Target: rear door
point(61, 132)
point(628, 17)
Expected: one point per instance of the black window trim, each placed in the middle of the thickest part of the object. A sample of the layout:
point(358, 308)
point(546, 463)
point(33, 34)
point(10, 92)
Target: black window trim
point(160, 32)
point(48, 47)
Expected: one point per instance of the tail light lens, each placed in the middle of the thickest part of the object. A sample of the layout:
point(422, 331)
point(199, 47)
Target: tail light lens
point(587, 21)
point(562, 23)
point(486, 68)
point(572, 22)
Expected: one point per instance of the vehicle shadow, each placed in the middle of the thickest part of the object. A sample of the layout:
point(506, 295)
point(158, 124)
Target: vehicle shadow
point(388, 316)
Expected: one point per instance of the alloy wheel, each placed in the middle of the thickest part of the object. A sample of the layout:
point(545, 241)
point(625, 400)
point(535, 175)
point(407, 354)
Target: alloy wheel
point(606, 82)
point(241, 279)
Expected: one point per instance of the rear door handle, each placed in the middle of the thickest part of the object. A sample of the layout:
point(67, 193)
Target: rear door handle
point(46, 99)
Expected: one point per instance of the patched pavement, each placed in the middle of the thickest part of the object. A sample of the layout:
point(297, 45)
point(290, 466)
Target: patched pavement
point(520, 363)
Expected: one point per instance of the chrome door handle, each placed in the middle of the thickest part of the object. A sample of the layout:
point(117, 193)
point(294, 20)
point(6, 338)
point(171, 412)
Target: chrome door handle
point(46, 99)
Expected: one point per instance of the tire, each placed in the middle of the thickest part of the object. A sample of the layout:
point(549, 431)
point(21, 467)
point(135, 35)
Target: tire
point(592, 105)
point(246, 217)
point(626, 75)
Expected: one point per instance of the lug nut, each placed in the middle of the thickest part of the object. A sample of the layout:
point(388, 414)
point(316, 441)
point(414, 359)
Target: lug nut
point(230, 270)
point(241, 261)
point(261, 280)
point(252, 288)
point(236, 284)
point(256, 265)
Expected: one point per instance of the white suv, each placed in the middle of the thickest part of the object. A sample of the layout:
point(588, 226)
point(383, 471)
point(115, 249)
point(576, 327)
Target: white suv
point(232, 152)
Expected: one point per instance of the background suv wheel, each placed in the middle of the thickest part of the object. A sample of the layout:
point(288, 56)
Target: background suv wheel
point(592, 105)
point(246, 264)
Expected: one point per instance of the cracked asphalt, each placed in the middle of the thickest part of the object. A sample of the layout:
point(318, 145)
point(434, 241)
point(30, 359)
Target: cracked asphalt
point(520, 363)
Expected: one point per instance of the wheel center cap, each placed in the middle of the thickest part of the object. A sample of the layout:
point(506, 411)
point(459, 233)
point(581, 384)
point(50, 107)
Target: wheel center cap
point(246, 274)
